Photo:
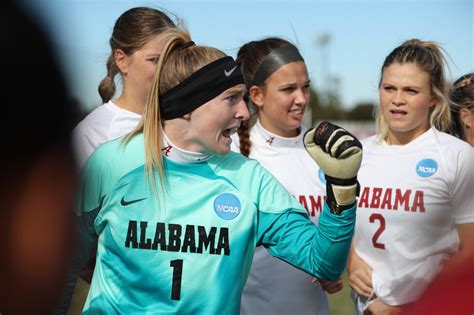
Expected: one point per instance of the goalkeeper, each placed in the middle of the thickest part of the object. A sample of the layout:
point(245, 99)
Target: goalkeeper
point(182, 240)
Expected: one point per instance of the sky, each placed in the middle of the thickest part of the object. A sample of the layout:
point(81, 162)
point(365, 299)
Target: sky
point(359, 33)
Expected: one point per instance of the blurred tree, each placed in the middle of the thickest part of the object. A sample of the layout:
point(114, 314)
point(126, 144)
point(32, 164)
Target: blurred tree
point(315, 104)
point(362, 111)
point(328, 104)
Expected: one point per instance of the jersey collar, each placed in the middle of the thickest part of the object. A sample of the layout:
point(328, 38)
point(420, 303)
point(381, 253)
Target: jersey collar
point(273, 140)
point(179, 155)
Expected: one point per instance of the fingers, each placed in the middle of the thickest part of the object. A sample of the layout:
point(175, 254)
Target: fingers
point(332, 286)
point(336, 141)
point(379, 308)
point(322, 133)
point(360, 280)
point(336, 151)
point(360, 275)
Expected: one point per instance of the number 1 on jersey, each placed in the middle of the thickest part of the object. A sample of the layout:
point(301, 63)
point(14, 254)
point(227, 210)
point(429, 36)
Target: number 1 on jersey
point(177, 266)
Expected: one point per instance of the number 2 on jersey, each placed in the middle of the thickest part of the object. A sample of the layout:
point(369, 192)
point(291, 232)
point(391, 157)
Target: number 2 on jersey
point(377, 217)
point(177, 266)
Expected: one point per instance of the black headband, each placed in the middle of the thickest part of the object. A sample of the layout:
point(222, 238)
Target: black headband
point(274, 61)
point(202, 86)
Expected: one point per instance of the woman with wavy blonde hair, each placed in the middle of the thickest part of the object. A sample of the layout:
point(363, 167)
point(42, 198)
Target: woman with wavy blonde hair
point(415, 205)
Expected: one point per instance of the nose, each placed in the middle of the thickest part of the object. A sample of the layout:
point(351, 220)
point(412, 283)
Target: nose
point(301, 98)
point(242, 111)
point(398, 99)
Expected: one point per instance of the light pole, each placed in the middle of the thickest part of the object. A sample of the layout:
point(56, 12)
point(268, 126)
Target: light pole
point(322, 41)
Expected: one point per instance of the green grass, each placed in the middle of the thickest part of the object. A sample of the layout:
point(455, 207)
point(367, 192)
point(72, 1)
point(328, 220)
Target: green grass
point(340, 303)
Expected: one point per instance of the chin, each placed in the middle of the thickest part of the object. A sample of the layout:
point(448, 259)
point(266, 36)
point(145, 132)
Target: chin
point(399, 126)
point(222, 149)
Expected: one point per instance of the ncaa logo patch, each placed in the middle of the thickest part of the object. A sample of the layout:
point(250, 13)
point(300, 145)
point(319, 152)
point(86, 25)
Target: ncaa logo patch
point(322, 179)
point(227, 206)
point(426, 167)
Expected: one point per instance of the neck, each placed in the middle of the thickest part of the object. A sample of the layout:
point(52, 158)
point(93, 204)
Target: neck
point(130, 103)
point(180, 155)
point(175, 132)
point(267, 125)
point(468, 137)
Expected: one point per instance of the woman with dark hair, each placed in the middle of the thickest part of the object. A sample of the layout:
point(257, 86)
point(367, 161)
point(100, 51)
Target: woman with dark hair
point(278, 93)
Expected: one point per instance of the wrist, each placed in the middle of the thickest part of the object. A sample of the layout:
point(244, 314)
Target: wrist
point(341, 193)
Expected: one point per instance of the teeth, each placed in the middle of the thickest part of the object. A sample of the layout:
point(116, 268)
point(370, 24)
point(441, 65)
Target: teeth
point(296, 111)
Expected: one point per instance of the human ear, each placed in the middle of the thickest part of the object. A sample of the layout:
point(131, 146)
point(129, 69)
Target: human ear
point(187, 116)
point(121, 60)
point(432, 102)
point(256, 95)
point(465, 116)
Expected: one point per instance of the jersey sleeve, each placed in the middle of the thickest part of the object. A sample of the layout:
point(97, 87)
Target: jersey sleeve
point(89, 201)
point(83, 144)
point(462, 198)
point(96, 179)
point(84, 246)
point(285, 229)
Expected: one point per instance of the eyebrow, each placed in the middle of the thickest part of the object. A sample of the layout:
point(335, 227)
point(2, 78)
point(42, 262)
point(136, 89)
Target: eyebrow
point(234, 90)
point(403, 87)
point(153, 56)
point(294, 83)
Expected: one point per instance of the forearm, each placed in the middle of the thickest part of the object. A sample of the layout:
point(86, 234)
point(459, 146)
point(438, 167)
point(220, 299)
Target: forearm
point(321, 251)
point(332, 242)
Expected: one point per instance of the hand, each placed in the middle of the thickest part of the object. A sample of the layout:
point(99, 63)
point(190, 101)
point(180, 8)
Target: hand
point(332, 286)
point(379, 308)
point(339, 155)
point(360, 275)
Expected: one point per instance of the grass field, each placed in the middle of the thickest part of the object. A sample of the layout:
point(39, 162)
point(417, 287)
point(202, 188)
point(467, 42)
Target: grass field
point(339, 303)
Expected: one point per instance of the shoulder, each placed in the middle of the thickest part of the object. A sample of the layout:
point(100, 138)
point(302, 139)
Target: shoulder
point(134, 176)
point(453, 151)
point(93, 129)
point(236, 160)
point(248, 172)
point(369, 142)
point(96, 120)
point(449, 141)
point(102, 157)
point(118, 150)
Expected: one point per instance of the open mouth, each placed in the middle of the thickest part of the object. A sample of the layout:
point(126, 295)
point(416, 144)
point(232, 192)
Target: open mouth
point(296, 111)
point(228, 132)
point(398, 112)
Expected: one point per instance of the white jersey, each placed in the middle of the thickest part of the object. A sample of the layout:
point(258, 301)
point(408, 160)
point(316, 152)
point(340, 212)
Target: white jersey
point(105, 123)
point(273, 286)
point(411, 198)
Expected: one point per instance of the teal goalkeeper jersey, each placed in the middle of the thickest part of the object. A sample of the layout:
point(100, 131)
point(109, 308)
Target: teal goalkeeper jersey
point(188, 247)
